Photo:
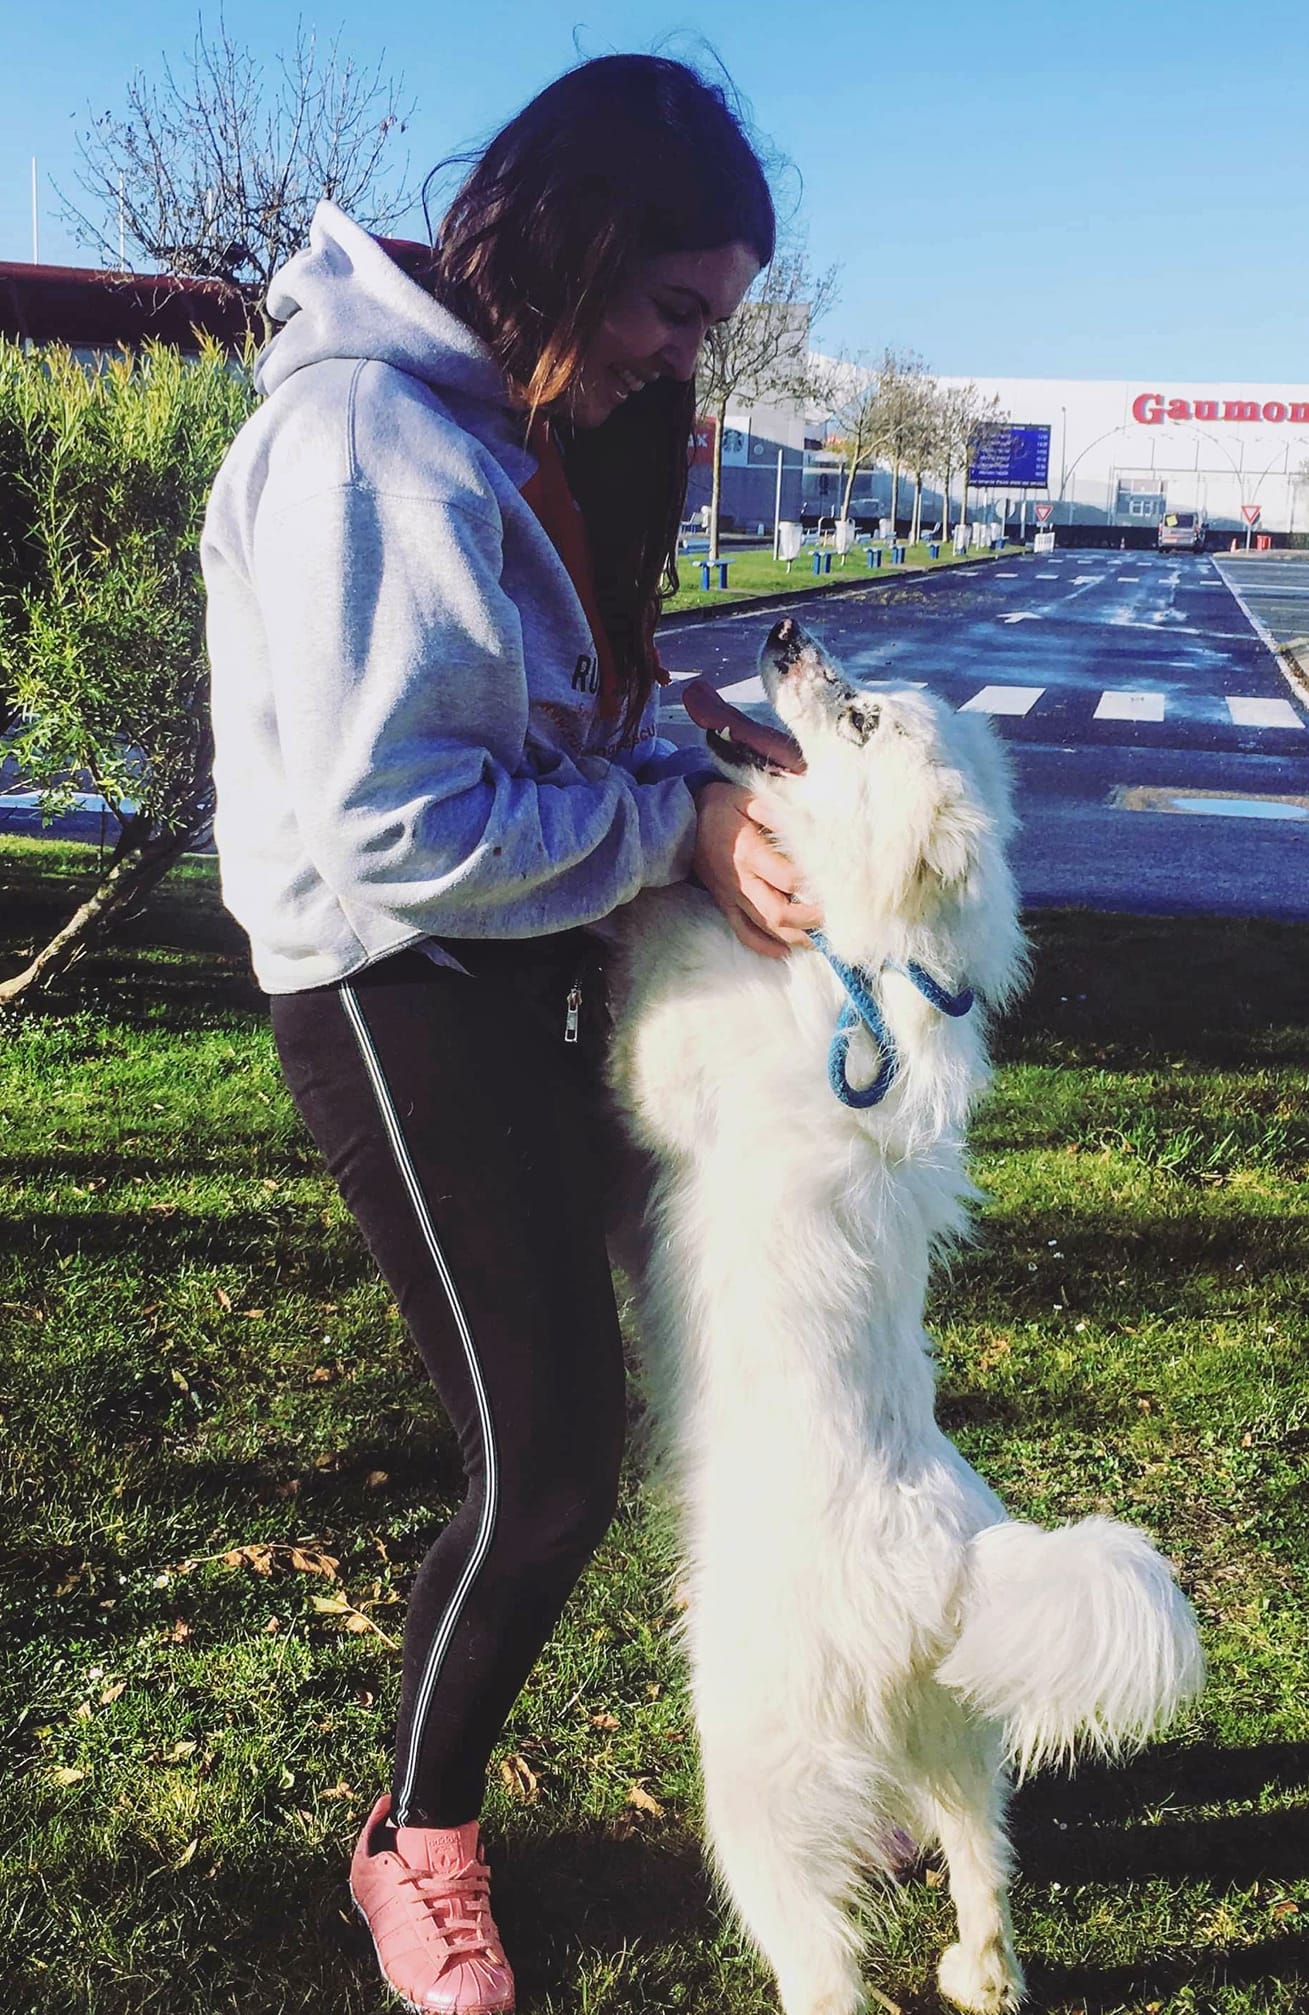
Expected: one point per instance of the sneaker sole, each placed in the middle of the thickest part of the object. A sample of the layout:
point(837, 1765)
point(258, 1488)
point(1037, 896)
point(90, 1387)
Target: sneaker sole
point(416, 2007)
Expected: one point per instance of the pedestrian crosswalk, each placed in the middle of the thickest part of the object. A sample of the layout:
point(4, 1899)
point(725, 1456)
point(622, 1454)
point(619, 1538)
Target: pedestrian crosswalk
point(1021, 702)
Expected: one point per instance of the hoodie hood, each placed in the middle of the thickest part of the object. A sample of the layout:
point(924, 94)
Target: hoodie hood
point(343, 297)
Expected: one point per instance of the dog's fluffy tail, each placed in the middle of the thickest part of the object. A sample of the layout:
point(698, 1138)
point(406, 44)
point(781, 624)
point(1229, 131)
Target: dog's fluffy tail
point(1074, 1639)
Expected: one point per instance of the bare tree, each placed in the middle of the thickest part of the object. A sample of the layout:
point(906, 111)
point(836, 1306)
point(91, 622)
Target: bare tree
point(848, 392)
point(762, 354)
point(215, 172)
point(920, 439)
point(965, 418)
point(902, 389)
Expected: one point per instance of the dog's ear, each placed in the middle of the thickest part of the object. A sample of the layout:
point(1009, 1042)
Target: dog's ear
point(951, 848)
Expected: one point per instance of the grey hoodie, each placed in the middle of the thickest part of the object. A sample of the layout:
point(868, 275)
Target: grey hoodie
point(407, 745)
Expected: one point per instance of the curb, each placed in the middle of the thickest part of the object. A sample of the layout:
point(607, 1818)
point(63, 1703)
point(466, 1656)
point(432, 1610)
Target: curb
point(862, 585)
point(1289, 662)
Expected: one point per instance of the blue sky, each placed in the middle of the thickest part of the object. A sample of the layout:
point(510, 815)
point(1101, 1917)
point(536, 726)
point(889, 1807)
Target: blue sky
point(1118, 190)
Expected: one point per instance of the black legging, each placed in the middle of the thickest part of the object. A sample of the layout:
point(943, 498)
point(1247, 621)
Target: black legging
point(463, 1131)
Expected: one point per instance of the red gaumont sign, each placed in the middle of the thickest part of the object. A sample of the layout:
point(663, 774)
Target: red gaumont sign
point(1153, 408)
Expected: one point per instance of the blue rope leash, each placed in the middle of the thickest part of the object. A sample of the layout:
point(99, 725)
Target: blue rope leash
point(861, 1008)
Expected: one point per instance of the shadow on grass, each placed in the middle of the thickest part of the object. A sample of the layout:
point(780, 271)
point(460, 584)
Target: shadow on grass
point(262, 1243)
point(1107, 1990)
point(1099, 1827)
point(1120, 992)
point(1090, 1249)
point(598, 1890)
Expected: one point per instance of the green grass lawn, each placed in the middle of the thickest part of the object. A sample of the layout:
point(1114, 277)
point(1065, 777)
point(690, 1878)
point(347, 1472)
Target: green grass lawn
point(218, 1466)
point(755, 572)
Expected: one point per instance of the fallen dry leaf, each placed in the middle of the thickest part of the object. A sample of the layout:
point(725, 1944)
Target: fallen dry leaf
point(519, 1779)
point(641, 1799)
point(314, 1563)
point(606, 1721)
point(68, 1774)
point(258, 1558)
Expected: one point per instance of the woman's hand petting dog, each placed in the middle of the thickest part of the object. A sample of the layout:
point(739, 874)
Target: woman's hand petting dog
point(738, 863)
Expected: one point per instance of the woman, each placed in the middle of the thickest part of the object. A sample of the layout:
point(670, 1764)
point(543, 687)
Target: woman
point(434, 560)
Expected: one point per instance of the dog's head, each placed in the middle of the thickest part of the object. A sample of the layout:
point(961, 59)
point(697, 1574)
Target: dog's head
point(894, 808)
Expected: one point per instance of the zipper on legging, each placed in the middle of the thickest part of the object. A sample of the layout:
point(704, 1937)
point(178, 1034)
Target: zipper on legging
point(574, 1014)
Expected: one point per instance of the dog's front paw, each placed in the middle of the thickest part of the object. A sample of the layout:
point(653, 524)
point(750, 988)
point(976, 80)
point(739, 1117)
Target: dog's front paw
point(986, 1982)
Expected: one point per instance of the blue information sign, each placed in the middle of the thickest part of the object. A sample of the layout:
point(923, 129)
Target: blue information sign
point(1012, 458)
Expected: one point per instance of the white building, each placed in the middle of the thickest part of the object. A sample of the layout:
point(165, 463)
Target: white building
point(1121, 452)
point(1124, 451)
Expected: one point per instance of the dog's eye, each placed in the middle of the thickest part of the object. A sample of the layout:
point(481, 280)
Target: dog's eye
point(857, 721)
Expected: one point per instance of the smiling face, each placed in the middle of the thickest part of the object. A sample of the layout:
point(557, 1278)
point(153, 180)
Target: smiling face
point(656, 325)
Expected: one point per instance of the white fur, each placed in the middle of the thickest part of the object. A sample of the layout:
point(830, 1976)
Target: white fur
point(870, 1639)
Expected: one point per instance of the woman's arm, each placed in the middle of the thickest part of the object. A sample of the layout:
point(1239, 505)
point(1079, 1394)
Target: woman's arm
point(397, 665)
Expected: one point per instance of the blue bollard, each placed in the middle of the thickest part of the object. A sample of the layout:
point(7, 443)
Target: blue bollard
point(897, 556)
point(933, 549)
point(874, 556)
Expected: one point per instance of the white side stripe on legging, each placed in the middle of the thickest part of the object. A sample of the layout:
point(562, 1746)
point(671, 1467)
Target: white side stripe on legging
point(449, 1622)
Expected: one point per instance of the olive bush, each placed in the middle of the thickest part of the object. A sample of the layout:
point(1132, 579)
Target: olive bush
point(104, 472)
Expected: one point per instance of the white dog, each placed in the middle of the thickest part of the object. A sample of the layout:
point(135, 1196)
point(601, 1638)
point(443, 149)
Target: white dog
point(871, 1639)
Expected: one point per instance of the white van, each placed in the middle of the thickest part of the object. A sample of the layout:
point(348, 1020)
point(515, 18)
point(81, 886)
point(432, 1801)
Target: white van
point(1186, 530)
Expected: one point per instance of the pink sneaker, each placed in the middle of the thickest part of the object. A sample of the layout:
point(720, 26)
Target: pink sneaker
point(427, 1902)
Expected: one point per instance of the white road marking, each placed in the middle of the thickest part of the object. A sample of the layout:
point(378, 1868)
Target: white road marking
point(1006, 577)
point(1022, 616)
point(1130, 707)
point(1130, 580)
point(1087, 580)
point(1249, 713)
point(746, 692)
point(1003, 700)
point(1047, 577)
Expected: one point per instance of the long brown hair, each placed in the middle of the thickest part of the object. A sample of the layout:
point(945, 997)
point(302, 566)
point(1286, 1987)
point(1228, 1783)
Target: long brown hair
point(622, 159)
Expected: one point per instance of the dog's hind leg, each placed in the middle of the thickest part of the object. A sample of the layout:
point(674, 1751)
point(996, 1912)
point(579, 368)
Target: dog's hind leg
point(965, 1806)
point(778, 1825)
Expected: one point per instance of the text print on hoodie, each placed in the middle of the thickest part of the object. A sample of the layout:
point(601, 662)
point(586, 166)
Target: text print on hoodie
point(404, 748)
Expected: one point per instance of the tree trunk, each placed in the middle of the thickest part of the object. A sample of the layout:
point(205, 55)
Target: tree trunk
point(849, 485)
point(716, 490)
point(895, 493)
point(945, 505)
point(916, 522)
point(140, 860)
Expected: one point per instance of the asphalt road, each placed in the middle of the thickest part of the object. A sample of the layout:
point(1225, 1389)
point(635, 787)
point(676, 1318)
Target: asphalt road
point(1161, 755)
